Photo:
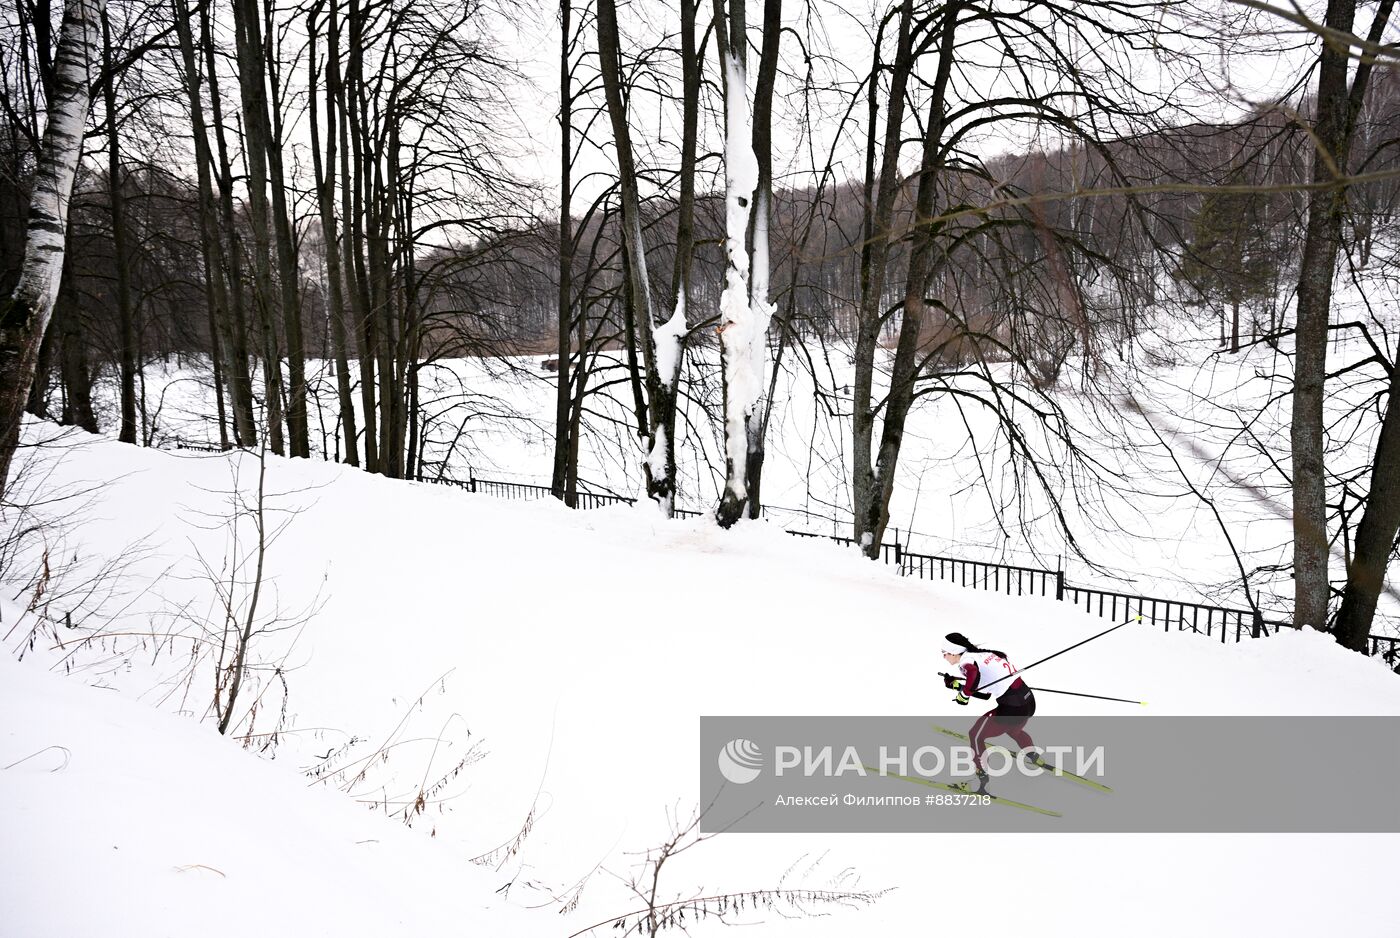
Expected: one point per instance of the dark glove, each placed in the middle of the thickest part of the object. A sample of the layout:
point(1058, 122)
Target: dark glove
point(952, 683)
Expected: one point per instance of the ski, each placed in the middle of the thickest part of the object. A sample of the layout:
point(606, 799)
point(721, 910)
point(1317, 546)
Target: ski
point(964, 789)
point(1062, 773)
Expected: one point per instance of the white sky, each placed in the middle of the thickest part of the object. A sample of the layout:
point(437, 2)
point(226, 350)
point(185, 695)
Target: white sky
point(1250, 58)
point(1245, 57)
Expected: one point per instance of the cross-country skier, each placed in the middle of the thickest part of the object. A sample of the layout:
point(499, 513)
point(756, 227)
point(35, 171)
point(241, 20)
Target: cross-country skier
point(1015, 704)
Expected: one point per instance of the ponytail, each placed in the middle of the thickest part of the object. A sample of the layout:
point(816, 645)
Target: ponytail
point(961, 640)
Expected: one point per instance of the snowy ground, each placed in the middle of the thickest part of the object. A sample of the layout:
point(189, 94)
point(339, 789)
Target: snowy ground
point(1204, 418)
point(549, 667)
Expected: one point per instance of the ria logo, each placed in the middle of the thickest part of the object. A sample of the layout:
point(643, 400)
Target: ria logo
point(740, 761)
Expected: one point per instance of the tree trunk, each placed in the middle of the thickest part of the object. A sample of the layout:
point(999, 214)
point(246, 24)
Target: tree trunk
point(904, 373)
point(116, 199)
point(325, 191)
point(1375, 535)
point(253, 94)
point(73, 361)
point(25, 316)
point(381, 202)
point(352, 223)
point(562, 398)
point(288, 275)
point(659, 345)
point(669, 338)
point(1380, 519)
point(227, 371)
point(744, 316)
point(760, 266)
point(1337, 108)
point(874, 263)
point(39, 390)
point(402, 273)
point(240, 380)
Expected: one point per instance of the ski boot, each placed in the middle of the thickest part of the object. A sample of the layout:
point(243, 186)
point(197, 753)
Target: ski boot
point(980, 786)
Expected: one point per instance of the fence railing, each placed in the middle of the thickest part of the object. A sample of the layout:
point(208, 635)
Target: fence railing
point(1183, 616)
point(978, 574)
point(889, 553)
point(520, 491)
point(1171, 614)
point(196, 447)
point(1388, 648)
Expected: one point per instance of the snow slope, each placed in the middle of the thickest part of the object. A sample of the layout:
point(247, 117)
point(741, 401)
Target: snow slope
point(576, 651)
point(958, 491)
point(122, 820)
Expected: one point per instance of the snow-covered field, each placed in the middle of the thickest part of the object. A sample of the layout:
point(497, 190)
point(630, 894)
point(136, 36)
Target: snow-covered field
point(539, 672)
point(1175, 413)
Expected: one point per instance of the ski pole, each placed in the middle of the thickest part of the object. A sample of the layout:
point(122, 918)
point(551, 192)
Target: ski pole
point(1137, 618)
point(1073, 693)
point(1046, 690)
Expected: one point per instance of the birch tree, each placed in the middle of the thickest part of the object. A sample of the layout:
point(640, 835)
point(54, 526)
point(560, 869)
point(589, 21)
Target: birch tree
point(27, 311)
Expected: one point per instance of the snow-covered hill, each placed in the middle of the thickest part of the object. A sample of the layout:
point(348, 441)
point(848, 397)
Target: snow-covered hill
point(120, 820)
point(550, 667)
point(960, 490)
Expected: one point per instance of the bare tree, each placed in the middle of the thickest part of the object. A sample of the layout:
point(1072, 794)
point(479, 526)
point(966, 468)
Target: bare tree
point(1337, 107)
point(660, 337)
point(325, 176)
point(27, 311)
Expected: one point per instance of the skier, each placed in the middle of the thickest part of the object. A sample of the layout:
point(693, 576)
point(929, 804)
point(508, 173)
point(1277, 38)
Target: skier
point(1015, 704)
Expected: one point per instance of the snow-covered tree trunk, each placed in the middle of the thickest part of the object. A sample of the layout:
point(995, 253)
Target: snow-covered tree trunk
point(26, 313)
point(760, 265)
point(661, 342)
point(670, 336)
point(744, 312)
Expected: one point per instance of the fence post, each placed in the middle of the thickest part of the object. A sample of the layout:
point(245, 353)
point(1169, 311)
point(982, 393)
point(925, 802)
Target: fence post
point(1060, 585)
point(1258, 624)
point(471, 481)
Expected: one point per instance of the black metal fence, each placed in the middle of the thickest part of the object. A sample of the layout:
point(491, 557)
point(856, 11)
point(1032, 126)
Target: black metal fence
point(889, 553)
point(196, 447)
point(1201, 618)
point(977, 574)
point(1388, 647)
point(522, 491)
point(1223, 622)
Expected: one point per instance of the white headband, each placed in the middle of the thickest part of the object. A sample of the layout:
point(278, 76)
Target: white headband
point(953, 648)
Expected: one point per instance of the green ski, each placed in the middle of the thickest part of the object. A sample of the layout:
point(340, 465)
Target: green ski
point(1062, 773)
point(965, 790)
